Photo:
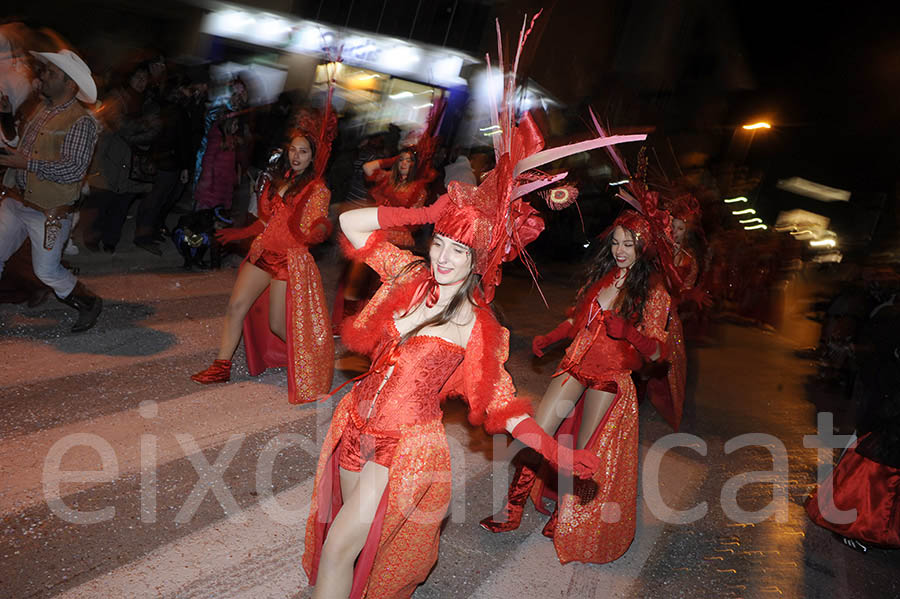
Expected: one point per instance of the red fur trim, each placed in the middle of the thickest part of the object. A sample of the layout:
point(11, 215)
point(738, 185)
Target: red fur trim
point(496, 421)
point(362, 332)
point(487, 372)
point(360, 254)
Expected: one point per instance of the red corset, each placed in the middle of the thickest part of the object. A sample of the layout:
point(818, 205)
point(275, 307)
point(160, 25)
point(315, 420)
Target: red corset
point(411, 394)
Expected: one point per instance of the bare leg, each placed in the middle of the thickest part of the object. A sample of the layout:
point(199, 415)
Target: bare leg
point(251, 282)
point(277, 299)
point(596, 403)
point(558, 401)
point(349, 530)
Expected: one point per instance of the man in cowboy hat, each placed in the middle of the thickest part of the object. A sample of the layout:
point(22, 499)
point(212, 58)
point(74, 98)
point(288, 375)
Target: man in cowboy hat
point(44, 178)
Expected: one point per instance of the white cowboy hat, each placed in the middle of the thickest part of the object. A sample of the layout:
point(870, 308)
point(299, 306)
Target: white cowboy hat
point(72, 65)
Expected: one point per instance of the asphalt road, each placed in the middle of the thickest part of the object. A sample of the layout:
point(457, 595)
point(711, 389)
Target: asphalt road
point(117, 402)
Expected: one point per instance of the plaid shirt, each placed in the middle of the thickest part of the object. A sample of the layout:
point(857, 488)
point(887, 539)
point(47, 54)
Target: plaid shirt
point(74, 155)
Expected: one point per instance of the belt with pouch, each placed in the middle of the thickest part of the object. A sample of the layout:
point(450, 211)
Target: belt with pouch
point(16, 194)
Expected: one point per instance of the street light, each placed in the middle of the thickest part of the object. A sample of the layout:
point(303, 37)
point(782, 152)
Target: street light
point(755, 126)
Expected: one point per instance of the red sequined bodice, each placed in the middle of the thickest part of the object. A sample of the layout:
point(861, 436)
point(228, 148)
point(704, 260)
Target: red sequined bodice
point(411, 394)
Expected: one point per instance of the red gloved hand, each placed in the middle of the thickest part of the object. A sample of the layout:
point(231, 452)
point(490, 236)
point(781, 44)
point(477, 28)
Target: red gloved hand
point(698, 296)
point(562, 331)
point(392, 216)
point(232, 234)
point(618, 328)
point(319, 231)
point(581, 462)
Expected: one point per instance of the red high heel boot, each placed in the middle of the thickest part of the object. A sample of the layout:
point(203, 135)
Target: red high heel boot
point(550, 527)
point(519, 488)
point(219, 372)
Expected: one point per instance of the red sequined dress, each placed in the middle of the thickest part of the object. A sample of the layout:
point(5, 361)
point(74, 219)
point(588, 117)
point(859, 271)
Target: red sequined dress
point(404, 424)
point(596, 523)
point(410, 195)
point(293, 224)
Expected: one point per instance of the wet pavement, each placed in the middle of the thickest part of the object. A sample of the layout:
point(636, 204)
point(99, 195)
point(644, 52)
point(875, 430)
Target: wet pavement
point(118, 401)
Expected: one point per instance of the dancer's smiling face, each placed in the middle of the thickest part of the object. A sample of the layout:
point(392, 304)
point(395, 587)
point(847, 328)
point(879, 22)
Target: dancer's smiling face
point(451, 261)
point(624, 248)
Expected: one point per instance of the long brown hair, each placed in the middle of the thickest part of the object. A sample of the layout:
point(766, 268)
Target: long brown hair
point(629, 304)
point(465, 293)
point(396, 177)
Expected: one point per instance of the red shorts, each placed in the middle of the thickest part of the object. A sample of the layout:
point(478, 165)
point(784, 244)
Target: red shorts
point(357, 448)
point(274, 263)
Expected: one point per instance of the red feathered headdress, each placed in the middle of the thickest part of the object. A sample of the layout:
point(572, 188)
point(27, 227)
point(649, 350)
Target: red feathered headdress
point(493, 218)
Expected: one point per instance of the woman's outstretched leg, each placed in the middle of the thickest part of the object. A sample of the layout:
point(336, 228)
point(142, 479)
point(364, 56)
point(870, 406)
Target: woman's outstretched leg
point(596, 404)
point(557, 403)
point(347, 535)
point(251, 282)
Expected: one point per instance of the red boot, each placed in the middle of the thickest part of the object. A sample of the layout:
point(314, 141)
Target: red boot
point(550, 527)
point(519, 488)
point(219, 372)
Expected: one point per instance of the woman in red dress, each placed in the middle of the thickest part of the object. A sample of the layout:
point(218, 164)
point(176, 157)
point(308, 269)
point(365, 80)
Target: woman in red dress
point(278, 301)
point(618, 321)
point(400, 181)
point(383, 481)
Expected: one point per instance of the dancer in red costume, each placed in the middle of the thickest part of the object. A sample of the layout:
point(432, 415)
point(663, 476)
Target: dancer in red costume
point(666, 389)
point(383, 481)
point(401, 181)
point(278, 301)
point(617, 323)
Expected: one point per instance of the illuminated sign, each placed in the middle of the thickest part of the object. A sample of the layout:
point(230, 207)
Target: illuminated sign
point(436, 66)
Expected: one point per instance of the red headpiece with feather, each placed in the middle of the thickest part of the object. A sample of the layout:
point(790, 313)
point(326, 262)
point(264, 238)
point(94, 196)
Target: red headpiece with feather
point(493, 218)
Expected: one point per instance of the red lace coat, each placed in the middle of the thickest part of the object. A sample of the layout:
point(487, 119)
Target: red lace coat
point(403, 541)
point(596, 523)
point(292, 224)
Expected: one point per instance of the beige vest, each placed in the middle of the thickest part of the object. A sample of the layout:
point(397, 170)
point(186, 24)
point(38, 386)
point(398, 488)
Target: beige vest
point(47, 146)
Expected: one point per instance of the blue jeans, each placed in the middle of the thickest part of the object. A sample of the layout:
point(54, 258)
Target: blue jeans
point(18, 222)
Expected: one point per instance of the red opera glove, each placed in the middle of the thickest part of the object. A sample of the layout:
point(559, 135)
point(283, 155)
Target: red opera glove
point(618, 328)
point(562, 331)
point(393, 216)
point(564, 459)
point(232, 234)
